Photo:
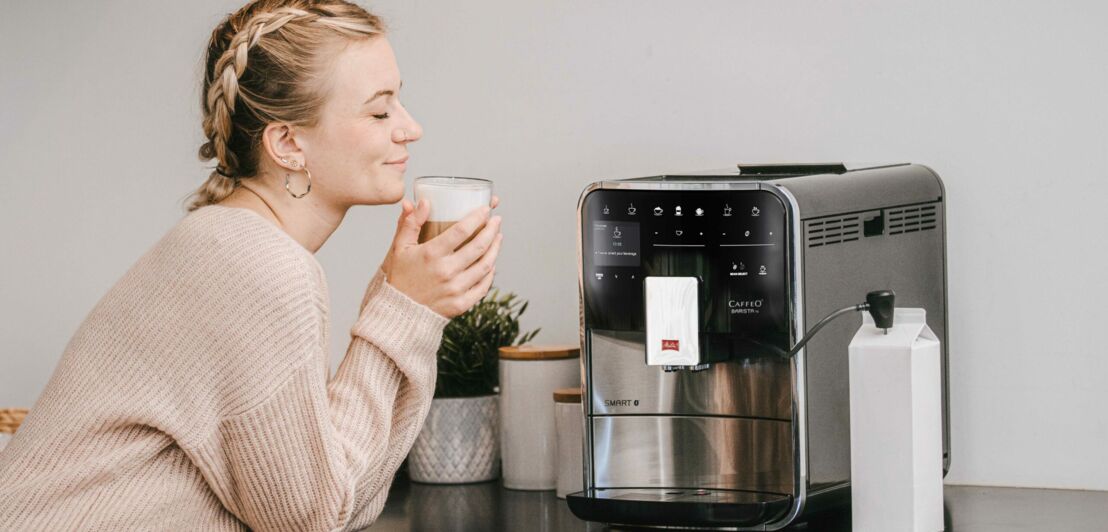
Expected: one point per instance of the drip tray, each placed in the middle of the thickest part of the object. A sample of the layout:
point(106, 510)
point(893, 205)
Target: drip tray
point(678, 506)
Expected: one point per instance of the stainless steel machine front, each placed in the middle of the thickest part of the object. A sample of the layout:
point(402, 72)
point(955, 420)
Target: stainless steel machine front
point(692, 288)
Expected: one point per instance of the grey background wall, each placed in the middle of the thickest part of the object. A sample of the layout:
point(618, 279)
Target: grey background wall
point(99, 124)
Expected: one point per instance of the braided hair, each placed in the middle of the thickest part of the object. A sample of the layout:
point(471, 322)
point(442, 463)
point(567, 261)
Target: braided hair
point(263, 64)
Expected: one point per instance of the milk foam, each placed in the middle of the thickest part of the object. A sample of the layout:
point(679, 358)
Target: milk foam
point(452, 199)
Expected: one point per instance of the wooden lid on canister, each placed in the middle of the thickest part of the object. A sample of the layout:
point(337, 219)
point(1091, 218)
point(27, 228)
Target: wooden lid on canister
point(567, 395)
point(539, 352)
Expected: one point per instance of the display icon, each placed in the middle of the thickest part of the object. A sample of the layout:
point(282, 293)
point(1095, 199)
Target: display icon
point(679, 232)
point(677, 211)
point(762, 270)
point(632, 210)
point(658, 211)
point(726, 210)
point(606, 209)
point(755, 211)
point(699, 211)
point(617, 233)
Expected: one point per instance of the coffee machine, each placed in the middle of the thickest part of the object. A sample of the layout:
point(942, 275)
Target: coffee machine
point(693, 287)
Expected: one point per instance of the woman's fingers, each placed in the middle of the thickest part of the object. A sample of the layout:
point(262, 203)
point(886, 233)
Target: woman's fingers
point(477, 271)
point(410, 222)
point(473, 250)
point(452, 238)
point(478, 291)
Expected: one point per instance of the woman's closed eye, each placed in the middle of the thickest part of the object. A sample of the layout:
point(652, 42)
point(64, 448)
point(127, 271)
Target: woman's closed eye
point(381, 116)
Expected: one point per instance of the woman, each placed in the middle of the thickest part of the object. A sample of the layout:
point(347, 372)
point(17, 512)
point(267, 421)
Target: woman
point(196, 394)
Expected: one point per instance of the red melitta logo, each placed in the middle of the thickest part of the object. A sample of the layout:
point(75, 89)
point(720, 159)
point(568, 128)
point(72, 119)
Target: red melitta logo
point(671, 345)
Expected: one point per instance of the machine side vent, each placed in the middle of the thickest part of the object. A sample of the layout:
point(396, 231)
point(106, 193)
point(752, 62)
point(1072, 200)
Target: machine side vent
point(911, 219)
point(833, 230)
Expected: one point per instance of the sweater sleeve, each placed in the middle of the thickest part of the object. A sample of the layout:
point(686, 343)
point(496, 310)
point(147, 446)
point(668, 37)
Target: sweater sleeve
point(319, 453)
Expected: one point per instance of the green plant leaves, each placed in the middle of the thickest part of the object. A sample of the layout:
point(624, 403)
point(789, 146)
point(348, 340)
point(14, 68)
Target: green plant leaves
point(469, 355)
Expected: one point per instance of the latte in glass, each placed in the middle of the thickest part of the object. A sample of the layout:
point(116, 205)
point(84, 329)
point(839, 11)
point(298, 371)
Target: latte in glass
point(451, 199)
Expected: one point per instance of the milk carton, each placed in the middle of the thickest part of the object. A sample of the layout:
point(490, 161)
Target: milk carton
point(896, 448)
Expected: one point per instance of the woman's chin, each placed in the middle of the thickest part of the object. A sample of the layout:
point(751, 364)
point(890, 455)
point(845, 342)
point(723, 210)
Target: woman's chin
point(387, 197)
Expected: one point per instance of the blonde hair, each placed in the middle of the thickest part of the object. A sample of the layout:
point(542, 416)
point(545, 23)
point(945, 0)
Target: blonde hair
point(263, 65)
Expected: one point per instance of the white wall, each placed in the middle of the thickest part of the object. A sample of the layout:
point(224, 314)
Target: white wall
point(99, 124)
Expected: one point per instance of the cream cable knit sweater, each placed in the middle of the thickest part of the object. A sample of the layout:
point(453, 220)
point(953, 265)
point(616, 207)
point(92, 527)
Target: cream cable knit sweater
point(195, 395)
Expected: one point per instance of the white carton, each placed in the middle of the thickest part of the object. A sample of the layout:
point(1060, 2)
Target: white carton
point(896, 450)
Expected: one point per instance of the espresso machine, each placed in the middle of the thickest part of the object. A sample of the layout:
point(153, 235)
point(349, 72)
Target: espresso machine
point(693, 288)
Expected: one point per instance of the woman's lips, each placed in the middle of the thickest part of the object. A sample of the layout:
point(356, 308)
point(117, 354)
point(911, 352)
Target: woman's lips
point(400, 164)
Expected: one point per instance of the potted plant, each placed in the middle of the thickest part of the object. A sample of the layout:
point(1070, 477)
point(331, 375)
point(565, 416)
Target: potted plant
point(459, 441)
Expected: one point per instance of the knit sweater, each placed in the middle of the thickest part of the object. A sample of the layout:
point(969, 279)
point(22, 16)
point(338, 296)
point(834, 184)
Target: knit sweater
point(196, 395)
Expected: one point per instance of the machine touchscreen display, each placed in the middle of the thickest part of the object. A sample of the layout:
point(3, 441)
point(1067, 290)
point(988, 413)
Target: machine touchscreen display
point(615, 243)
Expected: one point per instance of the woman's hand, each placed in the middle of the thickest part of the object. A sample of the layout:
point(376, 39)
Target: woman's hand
point(433, 274)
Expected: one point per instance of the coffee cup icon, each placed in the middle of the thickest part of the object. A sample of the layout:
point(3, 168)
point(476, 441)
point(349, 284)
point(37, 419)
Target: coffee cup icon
point(632, 210)
point(658, 211)
point(727, 210)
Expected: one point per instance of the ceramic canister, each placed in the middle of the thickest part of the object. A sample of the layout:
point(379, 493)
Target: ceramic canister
point(569, 422)
point(528, 445)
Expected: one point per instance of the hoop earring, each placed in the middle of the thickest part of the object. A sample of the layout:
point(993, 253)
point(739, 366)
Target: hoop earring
point(289, 188)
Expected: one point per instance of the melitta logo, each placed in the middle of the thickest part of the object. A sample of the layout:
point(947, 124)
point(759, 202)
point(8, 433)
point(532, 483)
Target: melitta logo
point(671, 345)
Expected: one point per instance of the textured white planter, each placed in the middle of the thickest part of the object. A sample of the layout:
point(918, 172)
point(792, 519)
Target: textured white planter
point(459, 442)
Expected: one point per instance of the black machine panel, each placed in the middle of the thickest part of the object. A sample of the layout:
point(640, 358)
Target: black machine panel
point(734, 242)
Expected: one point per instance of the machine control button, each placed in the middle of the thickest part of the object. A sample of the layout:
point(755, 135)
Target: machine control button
point(726, 210)
point(631, 210)
point(658, 211)
point(738, 270)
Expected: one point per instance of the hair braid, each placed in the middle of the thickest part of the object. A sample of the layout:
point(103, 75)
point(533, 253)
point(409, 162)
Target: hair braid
point(275, 83)
point(224, 89)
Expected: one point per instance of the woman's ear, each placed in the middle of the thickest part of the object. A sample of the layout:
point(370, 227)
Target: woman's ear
point(280, 144)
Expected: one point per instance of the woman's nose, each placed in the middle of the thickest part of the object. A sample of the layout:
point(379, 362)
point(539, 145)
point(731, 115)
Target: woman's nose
point(411, 131)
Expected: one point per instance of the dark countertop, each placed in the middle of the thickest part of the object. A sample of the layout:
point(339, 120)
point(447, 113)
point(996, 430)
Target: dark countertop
point(489, 507)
